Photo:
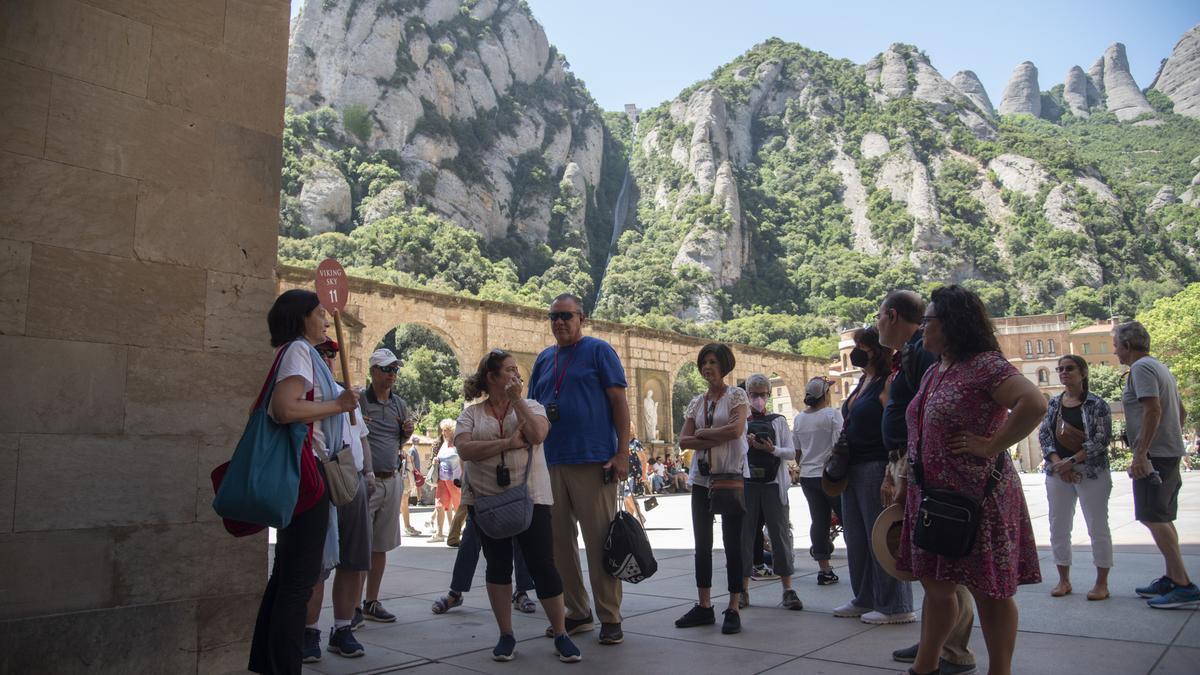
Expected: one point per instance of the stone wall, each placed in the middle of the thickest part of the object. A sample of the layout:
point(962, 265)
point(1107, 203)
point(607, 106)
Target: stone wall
point(139, 186)
point(472, 327)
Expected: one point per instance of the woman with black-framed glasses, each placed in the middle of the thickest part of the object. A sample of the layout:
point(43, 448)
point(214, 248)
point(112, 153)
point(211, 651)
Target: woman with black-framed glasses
point(1075, 436)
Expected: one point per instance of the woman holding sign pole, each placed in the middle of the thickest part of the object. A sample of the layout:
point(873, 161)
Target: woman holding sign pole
point(303, 393)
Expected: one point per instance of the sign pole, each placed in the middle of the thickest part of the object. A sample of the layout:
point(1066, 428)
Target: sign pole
point(333, 289)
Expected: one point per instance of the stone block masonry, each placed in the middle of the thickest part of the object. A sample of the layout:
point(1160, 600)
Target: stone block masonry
point(139, 183)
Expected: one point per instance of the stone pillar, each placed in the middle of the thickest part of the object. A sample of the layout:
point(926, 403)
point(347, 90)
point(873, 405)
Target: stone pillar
point(139, 185)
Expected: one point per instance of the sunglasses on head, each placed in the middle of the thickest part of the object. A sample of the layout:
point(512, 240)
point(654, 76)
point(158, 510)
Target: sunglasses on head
point(389, 369)
point(560, 316)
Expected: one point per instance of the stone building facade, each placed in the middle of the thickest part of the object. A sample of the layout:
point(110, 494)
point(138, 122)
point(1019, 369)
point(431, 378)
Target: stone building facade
point(139, 183)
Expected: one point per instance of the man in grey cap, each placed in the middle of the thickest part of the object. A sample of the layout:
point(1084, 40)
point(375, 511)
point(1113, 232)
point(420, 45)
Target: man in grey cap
point(386, 415)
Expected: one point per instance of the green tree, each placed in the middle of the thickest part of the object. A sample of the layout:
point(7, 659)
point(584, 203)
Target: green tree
point(1105, 382)
point(1174, 324)
point(688, 384)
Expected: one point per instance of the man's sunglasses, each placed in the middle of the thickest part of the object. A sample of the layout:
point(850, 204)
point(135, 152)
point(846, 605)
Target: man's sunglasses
point(389, 369)
point(561, 316)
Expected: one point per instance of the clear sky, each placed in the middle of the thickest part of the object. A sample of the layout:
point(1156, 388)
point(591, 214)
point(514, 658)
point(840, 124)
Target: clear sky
point(646, 51)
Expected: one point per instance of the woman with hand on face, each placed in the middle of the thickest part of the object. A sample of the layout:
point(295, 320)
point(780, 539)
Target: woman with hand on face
point(972, 406)
point(500, 440)
point(1074, 436)
point(714, 427)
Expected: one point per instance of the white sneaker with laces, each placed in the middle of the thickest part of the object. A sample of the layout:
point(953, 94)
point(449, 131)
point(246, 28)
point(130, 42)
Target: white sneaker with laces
point(850, 610)
point(880, 619)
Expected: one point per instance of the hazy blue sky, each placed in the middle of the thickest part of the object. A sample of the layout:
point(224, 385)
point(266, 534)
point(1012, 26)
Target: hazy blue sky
point(646, 51)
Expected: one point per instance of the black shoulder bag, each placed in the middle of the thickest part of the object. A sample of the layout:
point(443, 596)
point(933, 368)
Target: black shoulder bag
point(947, 522)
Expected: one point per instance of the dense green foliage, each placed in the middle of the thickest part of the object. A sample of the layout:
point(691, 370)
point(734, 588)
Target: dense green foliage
point(429, 379)
point(1174, 326)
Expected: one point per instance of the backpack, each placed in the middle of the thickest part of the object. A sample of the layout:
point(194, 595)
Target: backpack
point(627, 552)
point(764, 466)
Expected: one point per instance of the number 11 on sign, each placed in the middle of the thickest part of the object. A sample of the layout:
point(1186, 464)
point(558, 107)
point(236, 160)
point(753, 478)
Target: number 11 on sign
point(334, 289)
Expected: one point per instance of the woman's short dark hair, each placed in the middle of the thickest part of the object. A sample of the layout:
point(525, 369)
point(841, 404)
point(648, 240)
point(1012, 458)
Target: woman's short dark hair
point(723, 353)
point(868, 336)
point(1080, 363)
point(287, 315)
point(475, 384)
point(965, 323)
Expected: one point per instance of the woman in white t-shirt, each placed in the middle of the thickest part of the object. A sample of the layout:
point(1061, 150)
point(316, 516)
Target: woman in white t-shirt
point(297, 323)
point(714, 426)
point(500, 439)
point(814, 432)
point(448, 469)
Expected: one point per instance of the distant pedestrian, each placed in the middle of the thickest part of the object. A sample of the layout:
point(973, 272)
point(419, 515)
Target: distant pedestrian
point(1155, 416)
point(714, 426)
point(448, 472)
point(1074, 437)
point(814, 433)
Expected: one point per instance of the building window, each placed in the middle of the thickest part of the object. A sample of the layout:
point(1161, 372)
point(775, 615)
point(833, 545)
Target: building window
point(1103, 348)
point(1028, 348)
point(1043, 376)
point(1052, 350)
point(1087, 348)
point(1040, 350)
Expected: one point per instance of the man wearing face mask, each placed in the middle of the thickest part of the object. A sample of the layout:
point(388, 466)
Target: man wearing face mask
point(766, 489)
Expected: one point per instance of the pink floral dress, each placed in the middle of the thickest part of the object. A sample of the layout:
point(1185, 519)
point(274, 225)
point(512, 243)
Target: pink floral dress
point(959, 399)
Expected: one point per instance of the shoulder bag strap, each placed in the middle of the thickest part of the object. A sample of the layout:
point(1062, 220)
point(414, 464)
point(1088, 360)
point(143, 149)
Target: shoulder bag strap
point(268, 387)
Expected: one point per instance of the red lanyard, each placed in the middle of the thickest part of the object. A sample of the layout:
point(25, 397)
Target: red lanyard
point(559, 377)
point(499, 418)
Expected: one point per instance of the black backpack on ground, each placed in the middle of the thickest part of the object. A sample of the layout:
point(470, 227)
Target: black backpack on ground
point(627, 552)
point(764, 466)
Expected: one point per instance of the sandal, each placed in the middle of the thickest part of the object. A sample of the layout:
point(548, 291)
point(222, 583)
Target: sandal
point(1061, 589)
point(1097, 595)
point(522, 603)
point(446, 603)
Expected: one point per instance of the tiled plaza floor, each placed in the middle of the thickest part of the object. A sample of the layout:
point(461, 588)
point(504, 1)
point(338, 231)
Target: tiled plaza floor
point(1060, 636)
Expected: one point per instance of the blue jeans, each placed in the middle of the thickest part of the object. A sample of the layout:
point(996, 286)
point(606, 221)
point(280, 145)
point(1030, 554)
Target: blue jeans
point(873, 587)
point(468, 559)
point(656, 482)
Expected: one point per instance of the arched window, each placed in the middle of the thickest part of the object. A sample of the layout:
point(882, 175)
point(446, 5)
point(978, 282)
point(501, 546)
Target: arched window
point(1052, 350)
point(1028, 348)
point(1043, 376)
point(1040, 350)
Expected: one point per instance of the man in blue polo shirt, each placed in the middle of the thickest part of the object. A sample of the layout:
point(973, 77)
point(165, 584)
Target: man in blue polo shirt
point(581, 383)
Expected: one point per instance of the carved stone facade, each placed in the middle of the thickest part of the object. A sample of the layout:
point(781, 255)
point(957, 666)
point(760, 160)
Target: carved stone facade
point(652, 358)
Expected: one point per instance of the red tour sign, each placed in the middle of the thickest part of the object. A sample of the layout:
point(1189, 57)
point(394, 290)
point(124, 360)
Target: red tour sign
point(332, 286)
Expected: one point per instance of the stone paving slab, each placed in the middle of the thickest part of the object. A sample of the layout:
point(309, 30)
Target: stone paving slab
point(1059, 636)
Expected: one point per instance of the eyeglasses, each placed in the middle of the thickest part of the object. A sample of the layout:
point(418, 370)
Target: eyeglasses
point(926, 319)
point(389, 369)
point(561, 316)
point(1065, 369)
point(754, 394)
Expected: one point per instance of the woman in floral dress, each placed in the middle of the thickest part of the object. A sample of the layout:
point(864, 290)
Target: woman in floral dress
point(971, 407)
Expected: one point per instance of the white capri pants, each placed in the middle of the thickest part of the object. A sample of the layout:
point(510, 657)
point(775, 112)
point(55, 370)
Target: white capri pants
point(1092, 495)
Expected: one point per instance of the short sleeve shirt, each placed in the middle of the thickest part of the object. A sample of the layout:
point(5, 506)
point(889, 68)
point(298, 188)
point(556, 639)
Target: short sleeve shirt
point(815, 433)
point(730, 456)
point(481, 475)
point(384, 419)
point(1149, 378)
point(297, 362)
point(576, 379)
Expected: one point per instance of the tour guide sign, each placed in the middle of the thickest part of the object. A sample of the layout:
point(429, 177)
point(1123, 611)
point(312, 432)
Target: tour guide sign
point(334, 289)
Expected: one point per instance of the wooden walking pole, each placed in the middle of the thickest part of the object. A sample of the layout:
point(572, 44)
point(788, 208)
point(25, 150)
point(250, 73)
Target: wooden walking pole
point(333, 289)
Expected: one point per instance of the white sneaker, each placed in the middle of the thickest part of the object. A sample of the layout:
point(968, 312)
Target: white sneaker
point(879, 618)
point(851, 610)
point(436, 539)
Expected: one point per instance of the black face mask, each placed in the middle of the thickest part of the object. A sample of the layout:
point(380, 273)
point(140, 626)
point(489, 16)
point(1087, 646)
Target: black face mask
point(859, 357)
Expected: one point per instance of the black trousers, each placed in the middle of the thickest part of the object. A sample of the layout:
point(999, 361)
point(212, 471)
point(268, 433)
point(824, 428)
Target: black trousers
point(820, 505)
point(731, 536)
point(537, 546)
point(278, 640)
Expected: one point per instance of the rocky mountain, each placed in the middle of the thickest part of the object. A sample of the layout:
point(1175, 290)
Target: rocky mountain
point(468, 100)
point(446, 143)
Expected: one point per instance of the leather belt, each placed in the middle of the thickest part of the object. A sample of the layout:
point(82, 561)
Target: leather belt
point(384, 474)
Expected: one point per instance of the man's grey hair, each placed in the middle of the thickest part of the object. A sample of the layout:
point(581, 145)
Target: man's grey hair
point(573, 298)
point(1132, 335)
point(758, 379)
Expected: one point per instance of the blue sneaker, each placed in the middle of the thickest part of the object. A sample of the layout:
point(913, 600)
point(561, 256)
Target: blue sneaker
point(505, 649)
point(566, 650)
point(342, 642)
point(312, 645)
point(1159, 586)
point(1180, 596)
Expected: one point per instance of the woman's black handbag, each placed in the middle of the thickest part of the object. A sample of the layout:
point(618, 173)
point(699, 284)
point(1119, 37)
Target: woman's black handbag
point(727, 494)
point(948, 522)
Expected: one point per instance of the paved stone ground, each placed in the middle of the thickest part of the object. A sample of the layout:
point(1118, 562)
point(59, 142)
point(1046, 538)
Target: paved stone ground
point(1057, 635)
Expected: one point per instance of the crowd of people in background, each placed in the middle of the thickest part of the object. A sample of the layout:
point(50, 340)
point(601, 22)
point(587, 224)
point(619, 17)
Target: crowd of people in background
point(934, 413)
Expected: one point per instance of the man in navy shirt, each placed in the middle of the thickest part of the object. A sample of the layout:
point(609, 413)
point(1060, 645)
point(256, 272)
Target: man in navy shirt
point(899, 324)
point(581, 383)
